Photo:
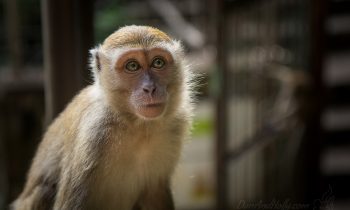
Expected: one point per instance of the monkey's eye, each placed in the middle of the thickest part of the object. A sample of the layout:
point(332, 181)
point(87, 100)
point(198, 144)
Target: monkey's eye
point(158, 63)
point(132, 66)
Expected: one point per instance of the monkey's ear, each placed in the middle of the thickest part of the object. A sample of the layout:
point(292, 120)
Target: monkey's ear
point(95, 62)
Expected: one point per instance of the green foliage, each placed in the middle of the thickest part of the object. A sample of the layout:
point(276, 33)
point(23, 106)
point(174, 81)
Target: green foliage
point(109, 17)
point(202, 127)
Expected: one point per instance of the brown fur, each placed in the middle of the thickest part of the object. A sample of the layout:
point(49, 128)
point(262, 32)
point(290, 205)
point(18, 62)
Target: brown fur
point(135, 36)
point(98, 154)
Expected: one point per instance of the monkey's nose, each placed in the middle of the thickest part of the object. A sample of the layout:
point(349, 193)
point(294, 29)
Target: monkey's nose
point(149, 89)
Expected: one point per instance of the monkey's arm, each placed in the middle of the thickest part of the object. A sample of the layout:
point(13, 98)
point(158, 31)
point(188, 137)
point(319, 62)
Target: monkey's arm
point(40, 187)
point(159, 198)
point(76, 170)
point(72, 187)
point(81, 156)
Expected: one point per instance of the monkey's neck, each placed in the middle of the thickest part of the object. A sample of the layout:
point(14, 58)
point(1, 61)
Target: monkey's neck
point(134, 122)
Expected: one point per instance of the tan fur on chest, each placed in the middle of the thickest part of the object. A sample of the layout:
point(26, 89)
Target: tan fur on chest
point(133, 162)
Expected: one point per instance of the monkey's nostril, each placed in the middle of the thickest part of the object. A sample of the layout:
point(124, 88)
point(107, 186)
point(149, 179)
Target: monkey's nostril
point(149, 90)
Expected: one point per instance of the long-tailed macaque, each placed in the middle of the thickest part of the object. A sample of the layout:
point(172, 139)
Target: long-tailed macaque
point(116, 144)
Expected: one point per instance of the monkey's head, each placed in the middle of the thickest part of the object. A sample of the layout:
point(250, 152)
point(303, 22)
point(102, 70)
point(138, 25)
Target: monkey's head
point(140, 70)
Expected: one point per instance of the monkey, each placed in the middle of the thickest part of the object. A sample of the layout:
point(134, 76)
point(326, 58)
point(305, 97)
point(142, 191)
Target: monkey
point(117, 143)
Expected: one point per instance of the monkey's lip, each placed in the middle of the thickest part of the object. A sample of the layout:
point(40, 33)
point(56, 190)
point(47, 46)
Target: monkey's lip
point(153, 105)
point(151, 110)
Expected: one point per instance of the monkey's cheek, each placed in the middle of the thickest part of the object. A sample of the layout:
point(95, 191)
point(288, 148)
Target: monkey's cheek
point(151, 111)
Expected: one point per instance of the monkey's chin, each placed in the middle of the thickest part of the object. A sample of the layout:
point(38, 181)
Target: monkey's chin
point(151, 111)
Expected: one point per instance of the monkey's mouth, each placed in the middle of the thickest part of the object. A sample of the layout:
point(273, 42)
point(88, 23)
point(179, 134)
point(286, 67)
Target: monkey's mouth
point(154, 105)
point(151, 110)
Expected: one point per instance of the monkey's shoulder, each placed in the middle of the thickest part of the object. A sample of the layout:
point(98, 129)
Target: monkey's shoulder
point(85, 109)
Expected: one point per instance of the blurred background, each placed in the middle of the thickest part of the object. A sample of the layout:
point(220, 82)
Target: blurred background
point(272, 124)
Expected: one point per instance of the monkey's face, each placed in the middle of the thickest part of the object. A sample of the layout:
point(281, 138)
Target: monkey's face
point(141, 71)
point(144, 76)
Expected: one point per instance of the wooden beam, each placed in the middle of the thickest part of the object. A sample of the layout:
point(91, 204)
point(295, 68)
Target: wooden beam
point(68, 35)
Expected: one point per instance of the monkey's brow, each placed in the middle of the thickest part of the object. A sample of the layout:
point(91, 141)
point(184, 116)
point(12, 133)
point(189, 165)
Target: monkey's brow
point(144, 42)
point(117, 51)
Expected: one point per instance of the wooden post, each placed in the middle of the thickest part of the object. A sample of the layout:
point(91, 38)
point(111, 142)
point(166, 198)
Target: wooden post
point(313, 136)
point(14, 36)
point(221, 111)
point(68, 35)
